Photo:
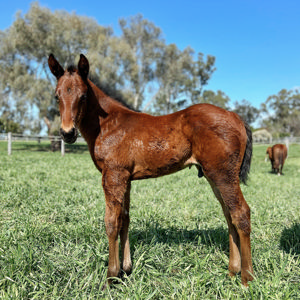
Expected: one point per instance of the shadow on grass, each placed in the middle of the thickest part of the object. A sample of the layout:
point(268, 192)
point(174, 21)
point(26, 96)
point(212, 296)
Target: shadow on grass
point(215, 237)
point(274, 173)
point(290, 239)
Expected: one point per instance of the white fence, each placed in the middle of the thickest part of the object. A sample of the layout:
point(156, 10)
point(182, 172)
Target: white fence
point(54, 141)
point(57, 141)
point(286, 140)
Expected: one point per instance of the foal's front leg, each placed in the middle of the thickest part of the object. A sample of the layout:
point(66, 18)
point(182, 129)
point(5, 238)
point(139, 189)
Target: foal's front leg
point(125, 246)
point(116, 187)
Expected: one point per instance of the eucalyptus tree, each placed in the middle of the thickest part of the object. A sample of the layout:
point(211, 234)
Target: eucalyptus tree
point(218, 98)
point(202, 72)
point(246, 111)
point(172, 73)
point(25, 46)
point(180, 78)
point(282, 112)
point(145, 43)
point(136, 65)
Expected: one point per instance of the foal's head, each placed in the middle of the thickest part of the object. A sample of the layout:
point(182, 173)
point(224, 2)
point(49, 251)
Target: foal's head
point(71, 94)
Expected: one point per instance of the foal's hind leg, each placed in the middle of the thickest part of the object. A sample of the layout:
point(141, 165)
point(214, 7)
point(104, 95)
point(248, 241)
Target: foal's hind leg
point(234, 240)
point(237, 214)
point(240, 215)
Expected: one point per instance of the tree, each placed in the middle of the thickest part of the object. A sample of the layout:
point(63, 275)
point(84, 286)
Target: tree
point(202, 72)
point(180, 78)
point(282, 113)
point(172, 73)
point(136, 66)
point(7, 125)
point(219, 99)
point(145, 42)
point(246, 111)
point(25, 47)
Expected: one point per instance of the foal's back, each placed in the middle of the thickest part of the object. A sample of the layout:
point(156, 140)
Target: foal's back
point(152, 146)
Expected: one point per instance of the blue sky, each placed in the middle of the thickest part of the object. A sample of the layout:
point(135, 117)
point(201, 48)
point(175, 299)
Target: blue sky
point(256, 42)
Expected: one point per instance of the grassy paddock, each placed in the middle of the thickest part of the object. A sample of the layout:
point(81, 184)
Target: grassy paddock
point(53, 243)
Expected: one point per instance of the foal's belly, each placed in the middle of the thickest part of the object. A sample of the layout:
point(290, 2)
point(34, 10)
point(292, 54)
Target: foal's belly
point(162, 158)
point(155, 171)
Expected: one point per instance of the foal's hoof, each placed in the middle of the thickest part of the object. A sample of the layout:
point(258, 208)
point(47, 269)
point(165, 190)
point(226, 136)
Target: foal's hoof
point(110, 282)
point(232, 274)
point(126, 271)
point(246, 278)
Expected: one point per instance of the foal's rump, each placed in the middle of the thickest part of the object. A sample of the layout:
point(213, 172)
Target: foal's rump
point(279, 154)
point(220, 139)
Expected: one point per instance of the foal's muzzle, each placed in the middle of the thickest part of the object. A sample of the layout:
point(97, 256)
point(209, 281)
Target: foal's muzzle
point(70, 136)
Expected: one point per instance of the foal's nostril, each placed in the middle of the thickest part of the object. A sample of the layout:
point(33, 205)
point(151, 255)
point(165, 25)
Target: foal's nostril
point(70, 136)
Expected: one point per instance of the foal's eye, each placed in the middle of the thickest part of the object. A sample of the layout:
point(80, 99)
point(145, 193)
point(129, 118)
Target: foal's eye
point(83, 97)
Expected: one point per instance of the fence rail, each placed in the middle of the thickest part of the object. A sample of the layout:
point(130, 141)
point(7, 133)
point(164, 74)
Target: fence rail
point(286, 140)
point(38, 138)
point(56, 141)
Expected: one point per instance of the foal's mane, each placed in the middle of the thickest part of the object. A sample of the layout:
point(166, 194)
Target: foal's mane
point(106, 89)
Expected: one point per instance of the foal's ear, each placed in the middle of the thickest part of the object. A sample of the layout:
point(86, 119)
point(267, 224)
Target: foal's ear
point(83, 67)
point(55, 67)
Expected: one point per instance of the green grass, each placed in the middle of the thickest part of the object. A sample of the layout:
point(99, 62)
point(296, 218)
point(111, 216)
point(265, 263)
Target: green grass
point(53, 243)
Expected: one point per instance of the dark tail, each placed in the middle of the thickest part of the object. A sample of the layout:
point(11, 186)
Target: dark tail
point(245, 167)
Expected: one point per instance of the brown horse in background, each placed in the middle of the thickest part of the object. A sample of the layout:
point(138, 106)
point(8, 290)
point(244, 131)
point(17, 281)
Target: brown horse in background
point(277, 155)
point(126, 145)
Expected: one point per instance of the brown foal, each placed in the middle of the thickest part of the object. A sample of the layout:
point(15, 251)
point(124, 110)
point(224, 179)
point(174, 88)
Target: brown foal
point(277, 155)
point(126, 145)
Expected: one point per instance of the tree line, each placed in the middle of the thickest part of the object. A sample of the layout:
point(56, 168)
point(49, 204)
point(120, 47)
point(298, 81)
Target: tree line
point(137, 66)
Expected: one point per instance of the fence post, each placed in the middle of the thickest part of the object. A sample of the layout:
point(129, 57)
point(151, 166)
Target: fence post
point(62, 147)
point(9, 143)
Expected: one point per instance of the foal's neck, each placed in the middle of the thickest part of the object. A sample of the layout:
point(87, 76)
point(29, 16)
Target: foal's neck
point(106, 103)
point(99, 107)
